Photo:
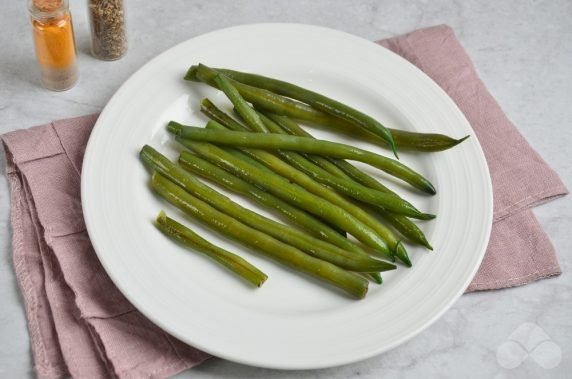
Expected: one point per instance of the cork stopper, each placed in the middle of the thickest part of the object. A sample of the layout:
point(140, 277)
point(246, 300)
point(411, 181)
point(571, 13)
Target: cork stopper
point(46, 7)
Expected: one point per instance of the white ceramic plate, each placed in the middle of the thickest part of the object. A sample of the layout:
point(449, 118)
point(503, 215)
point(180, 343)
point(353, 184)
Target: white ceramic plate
point(292, 322)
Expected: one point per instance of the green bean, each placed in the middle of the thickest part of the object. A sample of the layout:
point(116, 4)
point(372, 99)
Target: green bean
point(426, 142)
point(345, 170)
point(308, 145)
point(294, 194)
point(214, 113)
point(233, 262)
point(389, 202)
point(287, 124)
point(311, 98)
point(332, 165)
point(271, 102)
point(326, 164)
point(273, 248)
point(374, 276)
point(294, 237)
point(245, 157)
point(309, 184)
point(407, 228)
point(242, 107)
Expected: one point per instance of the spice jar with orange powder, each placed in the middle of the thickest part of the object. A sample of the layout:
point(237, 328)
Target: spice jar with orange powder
point(54, 43)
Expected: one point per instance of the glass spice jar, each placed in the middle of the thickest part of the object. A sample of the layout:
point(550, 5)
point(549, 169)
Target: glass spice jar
point(108, 36)
point(54, 43)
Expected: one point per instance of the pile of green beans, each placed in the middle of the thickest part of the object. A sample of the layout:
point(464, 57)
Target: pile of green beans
point(279, 251)
point(335, 167)
point(318, 101)
point(273, 102)
point(313, 246)
point(266, 156)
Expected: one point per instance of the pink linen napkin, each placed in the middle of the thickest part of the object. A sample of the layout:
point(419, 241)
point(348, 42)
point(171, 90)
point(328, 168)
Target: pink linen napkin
point(79, 322)
point(519, 252)
point(81, 325)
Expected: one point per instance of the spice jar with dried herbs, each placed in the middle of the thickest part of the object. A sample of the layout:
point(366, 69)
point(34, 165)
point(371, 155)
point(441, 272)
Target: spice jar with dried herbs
point(108, 34)
point(54, 43)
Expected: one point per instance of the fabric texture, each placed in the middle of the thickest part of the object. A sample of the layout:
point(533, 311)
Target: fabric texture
point(81, 325)
point(519, 251)
point(78, 320)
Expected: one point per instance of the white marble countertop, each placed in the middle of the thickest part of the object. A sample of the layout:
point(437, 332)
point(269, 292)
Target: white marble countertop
point(523, 52)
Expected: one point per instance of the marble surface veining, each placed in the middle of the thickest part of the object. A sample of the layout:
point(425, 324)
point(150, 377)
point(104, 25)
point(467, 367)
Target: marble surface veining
point(521, 49)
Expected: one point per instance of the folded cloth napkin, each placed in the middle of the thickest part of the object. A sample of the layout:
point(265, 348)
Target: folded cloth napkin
point(519, 252)
point(80, 324)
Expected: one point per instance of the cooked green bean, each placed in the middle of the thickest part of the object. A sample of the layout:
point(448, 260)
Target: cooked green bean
point(294, 237)
point(310, 223)
point(346, 170)
point(245, 157)
point(374, 276)
point(407, 228)
point(290, 127)
point(309, 184)
point(241, 106)
point(311, 98)
point(286, 123)
point(269, 101)
point(272, 141)
point(332, 165)
point(294, 194)
point(233, 262)
point(425, 142)
point(214, 113)
point(273, 248)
